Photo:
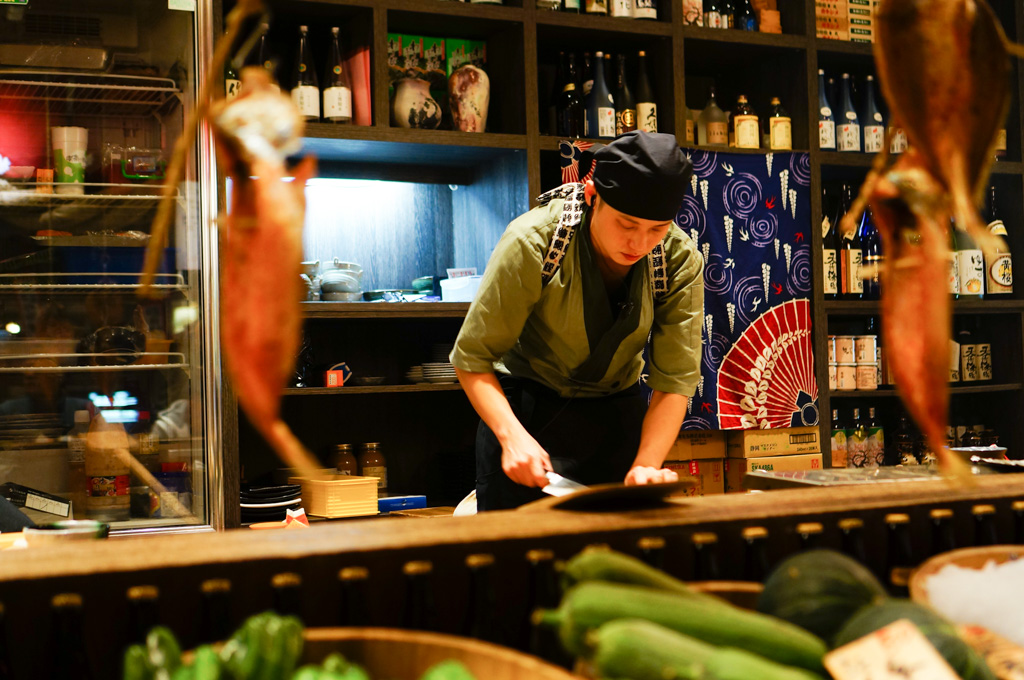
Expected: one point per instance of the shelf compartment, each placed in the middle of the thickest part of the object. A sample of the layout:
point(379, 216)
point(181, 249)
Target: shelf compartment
point(371, 389)
point(88, 93)
point(384, 310)
point(983, 388)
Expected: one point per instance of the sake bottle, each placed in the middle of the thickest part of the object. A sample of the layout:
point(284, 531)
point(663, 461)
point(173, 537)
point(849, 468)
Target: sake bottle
point(998, 267)
point(712, 125)
point(874, 125)
point(780, 127)
point(972, 265)
point(337, 85)
point(826, 122)
point(871, 255)
point(601, 111)
point(831, 248)
point(625, 104)
point(744, 17)
point(849, 124)
point(746, 128)
point(645, 9)
point(714, 17)
point(305, 89)
point(851, 258)
point(646, 109)
point(569, 110)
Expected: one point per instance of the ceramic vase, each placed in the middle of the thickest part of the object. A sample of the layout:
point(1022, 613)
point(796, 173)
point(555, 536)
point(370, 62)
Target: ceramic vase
point(413, 106)
point(469, 93)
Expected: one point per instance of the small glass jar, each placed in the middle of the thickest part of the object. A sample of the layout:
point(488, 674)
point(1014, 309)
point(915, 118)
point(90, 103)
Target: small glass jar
point(345, 461)
point(372, 464)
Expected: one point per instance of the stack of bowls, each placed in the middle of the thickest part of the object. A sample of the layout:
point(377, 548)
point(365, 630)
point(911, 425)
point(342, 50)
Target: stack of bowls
point(441, 372)
point(415, 374)
point(269, 503)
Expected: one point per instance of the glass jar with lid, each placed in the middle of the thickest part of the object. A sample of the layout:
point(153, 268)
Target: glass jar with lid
point(372, 464)
point(344, 460)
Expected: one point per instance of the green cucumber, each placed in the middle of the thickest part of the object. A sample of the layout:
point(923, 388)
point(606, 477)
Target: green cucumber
point(604, 564)
point(819, 591)
point(589, 605)
point(641, 650)
point(736, 664)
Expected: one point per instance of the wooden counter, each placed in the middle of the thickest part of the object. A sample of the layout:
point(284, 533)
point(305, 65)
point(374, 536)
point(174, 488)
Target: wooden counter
point(102, 571)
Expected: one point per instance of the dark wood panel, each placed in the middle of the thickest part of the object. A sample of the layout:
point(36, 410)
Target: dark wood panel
point(381, 389)
point(955, 389)
point(365, 310)
point(734, 37)
point(605, 24)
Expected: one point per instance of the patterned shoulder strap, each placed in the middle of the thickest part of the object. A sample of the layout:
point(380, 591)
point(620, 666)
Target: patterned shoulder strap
point(571, 217)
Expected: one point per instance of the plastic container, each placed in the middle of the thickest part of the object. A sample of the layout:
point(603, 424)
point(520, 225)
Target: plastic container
point(461, 289)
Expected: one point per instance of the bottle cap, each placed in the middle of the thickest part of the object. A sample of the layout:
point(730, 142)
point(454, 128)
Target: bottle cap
point(642, 53)
point(66, 600)
point(651, 543)
point(704, 538)
point(143, 593)
point(417, 567)
point(851, 523)
point(303, 28)
point(285, 580)
point(754, 533)
point(941, 513)
point(216, 585)
point(808, 528)
point(479, 560)
point(983, 510)
point(897, 518)
point(535, 556)
point(354, 574)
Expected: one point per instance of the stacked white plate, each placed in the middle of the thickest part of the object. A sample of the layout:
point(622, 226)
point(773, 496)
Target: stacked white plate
point(440, 372)
point(415, 374)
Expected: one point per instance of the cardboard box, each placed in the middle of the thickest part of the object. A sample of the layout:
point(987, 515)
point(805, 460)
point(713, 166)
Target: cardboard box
point(779, 442)
point(698, 445)
point(737, 468)
point(710, 474)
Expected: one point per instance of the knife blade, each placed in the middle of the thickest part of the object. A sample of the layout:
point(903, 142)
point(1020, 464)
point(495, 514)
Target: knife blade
point(560, 486)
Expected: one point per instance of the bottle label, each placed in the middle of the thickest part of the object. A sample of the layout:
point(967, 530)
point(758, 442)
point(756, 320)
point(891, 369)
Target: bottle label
point(826, 111)
point(875, 447)
point(954, 273)
point(597, 6)
point(605, 121)
point(572, 5)
point(232, 88)
point(984, 351)
point(307, 100)
point(1000, 274)
point(1001, 143)
point(780, 134)
point(968, 362)
point(827, 134)
point(839, 454)
point(849, 137)
point(645, 9)
point(108, 485)
point(338, 103)
point(622, 8)
point(381, 473)
point(647, 117)
point(972, 272)
point(689, 131)
point(625, 121)
point(713, 20)
point(851, 264)
point(826, 226)
point(874, 138)
point(831, 271)
point(588, 85)
point(748, 132)
point(856, 447)
point(898, 142)
point(718, 133)
point(76, 449)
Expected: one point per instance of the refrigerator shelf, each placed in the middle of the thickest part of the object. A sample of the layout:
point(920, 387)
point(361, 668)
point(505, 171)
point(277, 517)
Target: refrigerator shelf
point(89, 93)
point(140, 195)
point(174, 360)
point(170, 281)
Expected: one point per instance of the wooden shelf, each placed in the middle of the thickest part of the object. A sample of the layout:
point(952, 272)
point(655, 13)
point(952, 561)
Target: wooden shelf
point(983, 388)
point(869, 307)
point(843, 47)
point(604, 24)
point(384, 310)
point(847, 159)
point(781, 40)
point(370, 389)
point(455, 9)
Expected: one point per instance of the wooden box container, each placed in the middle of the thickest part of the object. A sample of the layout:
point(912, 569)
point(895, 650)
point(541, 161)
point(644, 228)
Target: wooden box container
point(338, 495)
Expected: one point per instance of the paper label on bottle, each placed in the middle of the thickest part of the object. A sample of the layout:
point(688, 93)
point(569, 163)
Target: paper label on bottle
point(622, 8)
point(954, 273)
point(713, 20)
point(232, 88)
point(830, 268)
point(972, 272)
point(1001, 141)
point(597, 6)
point(898, 141)
point(875, 444)
point(718, 133)
point(76, 450)
point(898, 651)
point(849, 137)
point(839, 448)
point(827, 135)
point(645, 9)
point(108, 485)
point(748, 132)
point(874, 138)
point(338, 103)
point(780, 134)
point(381, 473)
point(588, 85)
point(968, 362)
point(572, 4)
point(625, 121)
point(647, 116)
point(1000, 274)
point(307, 100)
point(984, 360)
point(605, 121)
point(852, 264)
point(954, 368)
point(825, 111)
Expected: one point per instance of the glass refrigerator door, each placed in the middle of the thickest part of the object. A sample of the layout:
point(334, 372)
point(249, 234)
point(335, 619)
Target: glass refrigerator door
point(108, 406)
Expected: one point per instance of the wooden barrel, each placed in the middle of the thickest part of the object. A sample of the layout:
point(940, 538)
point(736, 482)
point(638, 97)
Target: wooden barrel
point(405, 654)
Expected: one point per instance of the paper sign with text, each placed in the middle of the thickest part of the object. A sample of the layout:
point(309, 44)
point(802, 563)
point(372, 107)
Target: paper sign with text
point(897, 652)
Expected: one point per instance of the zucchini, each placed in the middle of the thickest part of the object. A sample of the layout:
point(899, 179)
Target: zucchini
point(604, 564)
point(589, 605)
point(819, 591)
point(735, 664)
point(641, 650)
point(968, 664)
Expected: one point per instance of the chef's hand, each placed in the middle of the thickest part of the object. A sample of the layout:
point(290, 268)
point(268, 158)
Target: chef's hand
point(525, 461)
point(642, 474)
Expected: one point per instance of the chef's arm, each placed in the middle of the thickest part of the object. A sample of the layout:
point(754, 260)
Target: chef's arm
point(522, 458)
point(664, 417)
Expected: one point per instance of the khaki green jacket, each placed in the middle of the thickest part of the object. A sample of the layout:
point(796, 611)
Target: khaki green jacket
point(567, 335)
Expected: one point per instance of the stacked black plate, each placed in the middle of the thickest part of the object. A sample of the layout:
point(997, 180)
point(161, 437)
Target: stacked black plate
point(269, 503)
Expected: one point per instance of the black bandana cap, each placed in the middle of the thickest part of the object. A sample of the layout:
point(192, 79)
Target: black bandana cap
point(643, 174)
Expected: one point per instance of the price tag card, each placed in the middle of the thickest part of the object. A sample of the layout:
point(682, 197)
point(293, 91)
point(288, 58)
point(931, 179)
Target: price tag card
point(897, 652)
point(1005, 658)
